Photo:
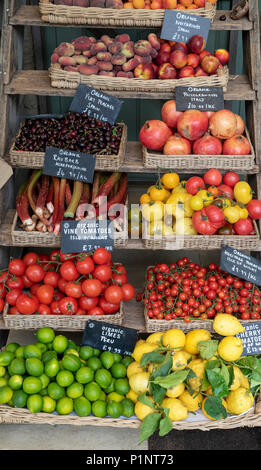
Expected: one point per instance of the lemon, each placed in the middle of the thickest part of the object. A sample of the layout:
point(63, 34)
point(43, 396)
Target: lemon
point(175, 338)
point(227, 325)
point(141, 410)
point(204, 411)
point(192, 402)
point(193, 337)
point(177, 410)
point(143, 348)
point(154, 337)
point(198, 367)
point(132, 396)
point(230, 348)
point(245, 382)
point(176, 391)
point(179, 360)
point(239, 401)
point(238, 376)
point(139, 383)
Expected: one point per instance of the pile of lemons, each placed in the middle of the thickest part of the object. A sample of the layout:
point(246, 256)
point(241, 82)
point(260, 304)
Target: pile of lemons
point(190, 395)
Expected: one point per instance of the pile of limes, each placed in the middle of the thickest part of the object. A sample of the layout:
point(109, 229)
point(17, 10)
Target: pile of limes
point(56, 375)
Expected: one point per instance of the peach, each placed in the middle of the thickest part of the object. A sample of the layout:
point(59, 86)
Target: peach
point(196, 44)
point(124, 74)
point(97, 3)
point(54, 58)
point(115, 47)
point(128, 49)
point(203, 54)
point(102, 65)
point(87, 53)
point(123, 37)
point(106, 56)
point(142, 47)
point(167, 71)
point(65, 49)
point(154, 41)
point(81, 3)
point(210, 64)
point(118, 59)
point(107, 39)
point(199, 72)
point(169, 4)
point(130, 65)
point(154, 53)
point(117, 4)
point(180, 46)
point(82, 43)
point(146, 59)
point(222, 55)
point(162, 57)
point(144, 72)
point(99, 46)
point(193, 60)
point(92, 60)
point(107, 74)
point(186, 71)
point(66, 60)
point(88, 69)
point(80, 59)
point(178, 59)
point(70, 68)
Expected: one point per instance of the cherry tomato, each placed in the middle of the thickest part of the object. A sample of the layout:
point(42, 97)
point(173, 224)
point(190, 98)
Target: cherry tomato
point(55, 307)
point(96, 311)
point(2, 304)
point(15, 282)
point(61, 284)
point(66, 256)
point(27, 282)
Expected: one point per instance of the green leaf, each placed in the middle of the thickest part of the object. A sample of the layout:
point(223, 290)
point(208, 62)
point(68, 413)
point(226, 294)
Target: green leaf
point(157, 392)
point(164, 368)
point(219, 386)
point(146, 401)
point(153, 357)
point(207, 349)
point(165, 426)
point(225, 373)
point(149, 426)
point(214, 408)
point(173, 379)
point(212, 364)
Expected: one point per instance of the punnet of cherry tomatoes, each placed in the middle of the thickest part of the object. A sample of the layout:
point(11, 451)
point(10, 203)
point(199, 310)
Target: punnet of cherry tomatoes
point(186, 290)
point(64, 284)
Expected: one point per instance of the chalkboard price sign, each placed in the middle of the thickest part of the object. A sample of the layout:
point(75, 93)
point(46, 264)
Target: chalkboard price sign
point(96, 104)
point(109, 337)
point(251, 338)
point(69, 164)
point(180, 27)
point(201, 98)
point(83, 236)
point(240, 265)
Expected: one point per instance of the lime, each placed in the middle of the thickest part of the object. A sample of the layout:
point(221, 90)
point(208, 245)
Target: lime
point(127, 360)
point(117, 357)
point(41, 346)
point(72, 344)
point(96, 352)
point(6, 394)
point(86, 352)
point(6, 358)
point(19, 352)
point(127, 407)
point(45, 380)
point(3, 381)
point(92, 391)
point(15, 382)
point(94, 363)
point(99, 408)
point(55, 391)
point(107, 359)
point(2, 371)
point(49, 346)
point(43, 392)
point(34, 403)
point(118, 370)
point(75, 390)
point(12, 347)
point(71, 362)
point(45, 335)
point(49, 404)
point(17, 366)
point(122, 386)
point(72, 351)
point(111, 387)
point(84, 375)
point(32, 385)
point(114, 409)
point(31, 350)
point(114, 396)
point(48, 355)
point(52, 367)
point(60, 343)
point(64, 406)
point(19, 399)
point(103, 396)
point(65, 378)
point(103, 378)
point(82, 406)
point(34, 366)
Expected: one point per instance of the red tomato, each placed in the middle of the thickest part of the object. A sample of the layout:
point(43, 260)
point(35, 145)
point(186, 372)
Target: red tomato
point(66, 256)
point(101, 256)
point(4, 276)
point(55, 255)
point(45, 294)
point(34, 288)
point(92, 287)
point(113, 294)
point(208, 220)
point(254, 209)
point(55, 308)
point(103, 272)
point(13, 311)
point(27, 282)
point(128, 291)
point(230, 178)
point(80, 311)
point(12, 296)
point(68, 271)
point(35, 273)
point(120, 278)
point(73, 289)
point(51, 278)
point(15, 282)
point(30, 258)
point(16, 267)
point(85, 265)
point(2, 291)
point(27, 305)
point(225, 190)
point(58, 295)
point(243, 227)
point(108, 307)
point(68, 306)
point(2, 304)
point(194, 184)
point(87, 303)
point(61, 284)
point(213, 177)
point(44, 309)
point(96, 311)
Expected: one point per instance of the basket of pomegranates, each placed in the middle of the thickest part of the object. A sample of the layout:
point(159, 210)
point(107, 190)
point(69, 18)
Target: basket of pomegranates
point(42, 202)
point(146, 13)
point(197, 140)
point(73, 131)
point(149, 65)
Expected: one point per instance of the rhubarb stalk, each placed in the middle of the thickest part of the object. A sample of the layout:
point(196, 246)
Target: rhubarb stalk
point(33, 181)
point(76, 196)
point(121, 192)
point(60, 215)
point(56, 186)
point(22, 206)
point(84, 201)
point(40, 209)
point(68, 194)
point(49, 200)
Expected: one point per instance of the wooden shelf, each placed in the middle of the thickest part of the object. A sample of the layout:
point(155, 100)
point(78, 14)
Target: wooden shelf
point(30, 15)
point(37, 82)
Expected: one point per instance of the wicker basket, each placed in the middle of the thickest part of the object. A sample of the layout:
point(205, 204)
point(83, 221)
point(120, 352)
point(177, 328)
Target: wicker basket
point(57, 322)
point(22, 238)
point(200, 162)
point(61, 14)
point(63, 79)
point(24, 159)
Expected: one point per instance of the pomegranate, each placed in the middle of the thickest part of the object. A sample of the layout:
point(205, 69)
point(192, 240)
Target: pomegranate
point(240, 125)
point(177, 145)
point(223, 124)
point(207, 145)
point(236, 145)
point(192, 124)
point(169, 114)
point(154, 134)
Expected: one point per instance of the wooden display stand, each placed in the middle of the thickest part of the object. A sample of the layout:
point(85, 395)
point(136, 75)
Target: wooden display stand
point(15, 82)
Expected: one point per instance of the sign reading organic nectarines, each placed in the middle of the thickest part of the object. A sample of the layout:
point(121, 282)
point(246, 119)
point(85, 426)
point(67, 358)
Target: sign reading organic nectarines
point(180, 26)
point(201, 98)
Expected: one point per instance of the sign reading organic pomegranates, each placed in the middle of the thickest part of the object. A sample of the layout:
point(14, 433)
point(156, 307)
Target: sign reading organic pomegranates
point(179, 26)
point(200, 98)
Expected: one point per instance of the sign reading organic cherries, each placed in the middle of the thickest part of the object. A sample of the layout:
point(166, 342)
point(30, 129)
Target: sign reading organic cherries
point(179, 26)
point(201, 98)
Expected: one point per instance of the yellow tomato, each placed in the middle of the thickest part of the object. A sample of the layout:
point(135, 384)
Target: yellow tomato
point(196, 203)
point(179, 205)
point(145, 198)
point(181, 188)
point(243, 192)
point(153, 211)
point(157, 227)
point(158, 193)
point(170, 180)
point(206, 197)
point(225, 201)
point(232, 214)
point(185, 228)
point(149, 189)
point(243, 212)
